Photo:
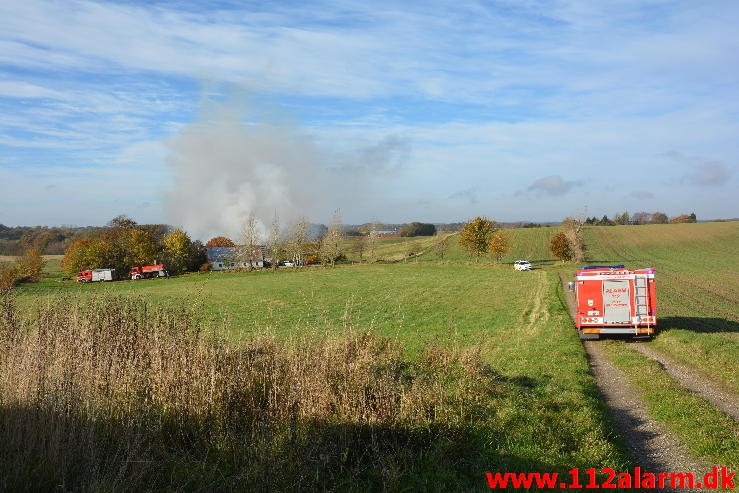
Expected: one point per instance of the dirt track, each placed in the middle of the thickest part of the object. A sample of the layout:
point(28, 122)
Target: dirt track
point(689, 378)
point(650, 445)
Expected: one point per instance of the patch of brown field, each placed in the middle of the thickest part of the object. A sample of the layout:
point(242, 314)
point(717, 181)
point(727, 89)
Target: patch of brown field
point(117, 394)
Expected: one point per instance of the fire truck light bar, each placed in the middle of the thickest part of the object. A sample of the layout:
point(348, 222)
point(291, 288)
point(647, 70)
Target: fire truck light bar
point(588, 267)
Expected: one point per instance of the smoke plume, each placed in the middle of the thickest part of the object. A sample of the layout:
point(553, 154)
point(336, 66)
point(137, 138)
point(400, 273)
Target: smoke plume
point(227, 166)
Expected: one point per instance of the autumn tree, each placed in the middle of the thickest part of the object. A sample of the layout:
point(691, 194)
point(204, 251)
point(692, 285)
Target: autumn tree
point(475, 236)
point(88, 253)
point(441, 246)
point(220, 241)
point(621, 219)
point(30, 265)
point(141, 249)
point(249, 252)
point(560, 247)
point(684, 218)
point(274, 245)
point(297, 240)
point(176, 249)
point(659, 218)
point(74, 259)
point(572, 228)
point(359, 245)
point(198, 257)
point(500, 244)
point(8, 276)
point(372, 243)
point(121, 222)
point(331, 248)
point(641, 217)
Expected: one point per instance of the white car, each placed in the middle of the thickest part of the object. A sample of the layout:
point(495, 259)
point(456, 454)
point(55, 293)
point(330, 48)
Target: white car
point(522, 265)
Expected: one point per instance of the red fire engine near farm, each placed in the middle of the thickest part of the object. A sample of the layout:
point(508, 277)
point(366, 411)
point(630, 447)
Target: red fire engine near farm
point(148, 271)
point(615, 300)
point(95, 275)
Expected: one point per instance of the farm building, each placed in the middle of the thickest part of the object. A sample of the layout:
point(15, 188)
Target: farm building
point(226, 258)
point(388, 233)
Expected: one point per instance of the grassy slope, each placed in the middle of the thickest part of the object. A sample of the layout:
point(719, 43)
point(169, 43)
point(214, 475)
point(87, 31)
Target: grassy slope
point(697, 269)
point(526, 243)
point(548, 414)
point(547, 411)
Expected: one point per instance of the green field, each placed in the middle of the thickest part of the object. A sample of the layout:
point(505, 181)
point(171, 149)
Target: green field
point(697, 275)
point(537, 407)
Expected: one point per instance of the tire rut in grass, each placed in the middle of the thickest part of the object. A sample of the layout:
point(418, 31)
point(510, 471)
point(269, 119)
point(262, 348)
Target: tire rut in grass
point(726, 401)
point(650, 445)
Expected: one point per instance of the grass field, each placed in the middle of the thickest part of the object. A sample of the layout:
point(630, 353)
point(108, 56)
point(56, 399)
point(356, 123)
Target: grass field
point(526, 243)
point(706, 431)
point(697, 269)
point(536, 408)
point(534, 402)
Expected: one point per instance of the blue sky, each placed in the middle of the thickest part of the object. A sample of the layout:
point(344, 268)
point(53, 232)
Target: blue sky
point(390, 111)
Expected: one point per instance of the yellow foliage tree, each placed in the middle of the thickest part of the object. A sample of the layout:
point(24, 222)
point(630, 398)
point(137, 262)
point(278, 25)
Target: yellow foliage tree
point(141, 249)
point(30, 265)
point(86, 253)
point(500, 244)
point(475, 236)
point(177, 247)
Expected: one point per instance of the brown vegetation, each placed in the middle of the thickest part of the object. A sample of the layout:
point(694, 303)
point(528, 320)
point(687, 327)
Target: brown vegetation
point(500, 244)
point(117, 394)
point(561, 248)
point(220, 241)
point(8, 276)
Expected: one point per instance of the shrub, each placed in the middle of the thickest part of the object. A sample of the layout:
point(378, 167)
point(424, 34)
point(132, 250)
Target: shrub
point(8, 276)
point(30, 265)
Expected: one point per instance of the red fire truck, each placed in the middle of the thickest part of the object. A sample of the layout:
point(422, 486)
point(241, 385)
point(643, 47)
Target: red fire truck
point(94, 275)
point(614, 300)
point(147, 271)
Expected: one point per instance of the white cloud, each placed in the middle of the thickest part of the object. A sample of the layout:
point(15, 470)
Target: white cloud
point(710, 174)
point(481, 96)
point(552, 185)
point(701, 171)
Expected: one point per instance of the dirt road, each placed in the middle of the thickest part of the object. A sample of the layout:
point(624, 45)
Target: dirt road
point(650, 444)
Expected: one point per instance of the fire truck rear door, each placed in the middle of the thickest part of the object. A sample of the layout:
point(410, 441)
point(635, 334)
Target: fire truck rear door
point(616, 302)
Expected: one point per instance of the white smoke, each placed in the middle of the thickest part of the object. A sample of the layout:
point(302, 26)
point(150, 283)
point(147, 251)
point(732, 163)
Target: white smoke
point(227, 166)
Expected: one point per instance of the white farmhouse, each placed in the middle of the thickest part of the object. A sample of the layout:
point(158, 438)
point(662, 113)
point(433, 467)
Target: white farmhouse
point(227, 258)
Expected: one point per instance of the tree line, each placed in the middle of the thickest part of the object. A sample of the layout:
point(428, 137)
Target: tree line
point(50, 240)
point(641, 218)
point(482, 236)
point(301, 243)
point(123, 244)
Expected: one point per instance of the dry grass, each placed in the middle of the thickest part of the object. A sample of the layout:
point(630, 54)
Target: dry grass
point(109, 394)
